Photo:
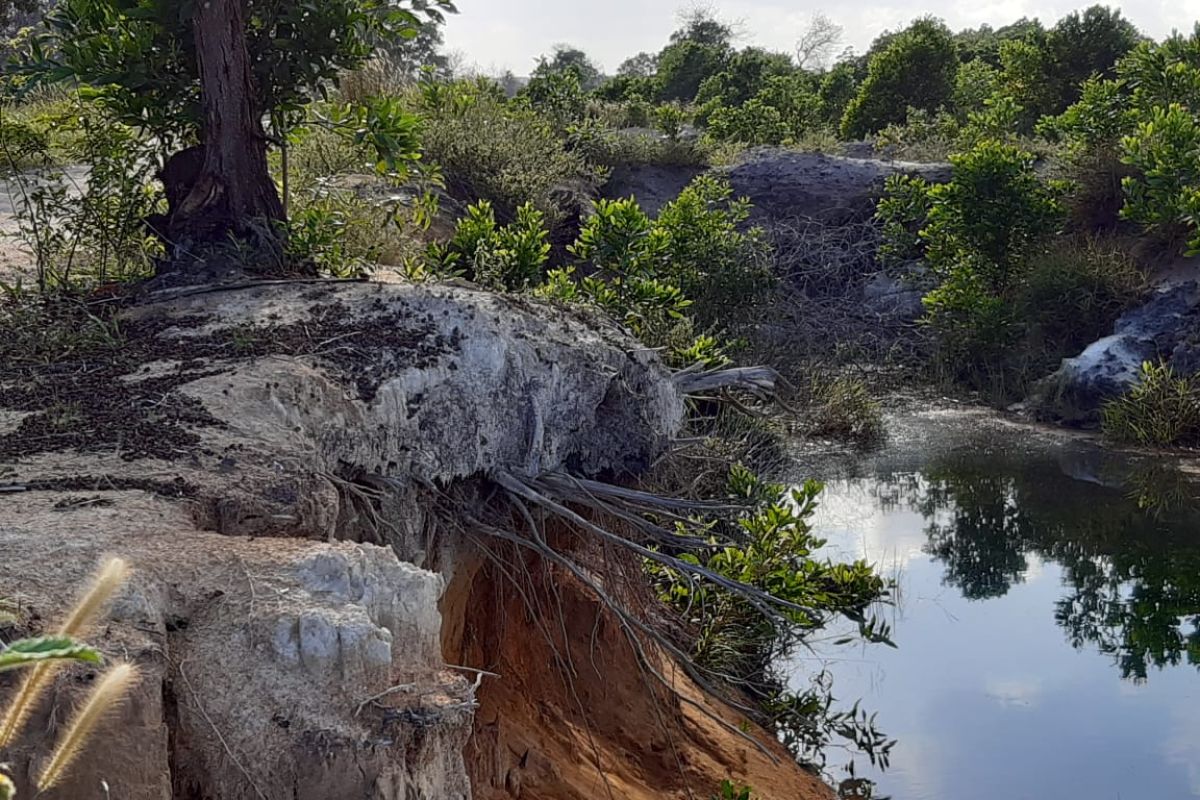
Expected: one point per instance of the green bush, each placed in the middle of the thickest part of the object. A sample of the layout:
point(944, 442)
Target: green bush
point(1162, 410)
point(1072, 294)
point(837, 88)
point(978, 234)
point(775, 552)
point(923, 136)
point(507, 258)
point(1164, 192)
point(1044, 71)
point(753, 123)
point(489, 149)
point(976, 82)
point(1149, 118)
point(915, 70)
point(690, 270)
point(557, 95)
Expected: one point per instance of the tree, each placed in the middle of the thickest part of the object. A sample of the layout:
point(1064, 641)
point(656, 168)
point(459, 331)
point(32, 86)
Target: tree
point(1045, 73)
point(745, 76)
point(643, 65)
point(565, 57)
point(411, 55)
point(209, 73)
point(817, 42)
point(701, 25)
point(916, 69)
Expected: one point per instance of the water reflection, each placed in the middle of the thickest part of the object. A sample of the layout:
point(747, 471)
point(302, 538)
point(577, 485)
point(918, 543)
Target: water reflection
point(1048, 614)
point(1128, 546)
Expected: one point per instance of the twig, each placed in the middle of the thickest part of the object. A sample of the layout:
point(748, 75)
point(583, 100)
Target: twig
point(217, 731)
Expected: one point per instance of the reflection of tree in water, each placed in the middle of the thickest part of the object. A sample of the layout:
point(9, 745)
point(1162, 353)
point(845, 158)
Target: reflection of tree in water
point(1133, 576)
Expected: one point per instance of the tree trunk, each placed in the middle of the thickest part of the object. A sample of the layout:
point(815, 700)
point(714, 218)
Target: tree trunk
point(234, 189)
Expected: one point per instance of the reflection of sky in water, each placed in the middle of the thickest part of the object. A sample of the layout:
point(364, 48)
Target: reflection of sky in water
point(987, 698)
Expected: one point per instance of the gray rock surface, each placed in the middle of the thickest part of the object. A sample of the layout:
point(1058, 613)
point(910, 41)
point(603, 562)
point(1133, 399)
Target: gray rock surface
point(786, 183)
point(1166, 327)
point(307, 419)
point(780, 183)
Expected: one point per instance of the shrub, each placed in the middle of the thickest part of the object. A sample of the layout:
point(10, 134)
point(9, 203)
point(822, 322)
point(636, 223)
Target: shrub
point(916, 69)
point(977, 233)
point(1162, 409)
point(1149, 115)
point(1044, 72)
point(837, 88)
point(510, 257)
point(975, 82)
point(1073, 293)
point(684, 65)
point(1164, 193)
point(673, 278)
point(754, 123)
point(557, 95)
point(775, 552)
point(921, 137)
point(492, 150)
point(845, 409)
point(91, 231)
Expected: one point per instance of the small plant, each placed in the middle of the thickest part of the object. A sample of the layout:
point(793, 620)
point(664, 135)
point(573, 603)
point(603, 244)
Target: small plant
point(732, 791)
point(42, 657)
point(502, 152)
point(846, 410)
point(979, 235)
point(915, 70)
point(669, 119)
point(1161, 410)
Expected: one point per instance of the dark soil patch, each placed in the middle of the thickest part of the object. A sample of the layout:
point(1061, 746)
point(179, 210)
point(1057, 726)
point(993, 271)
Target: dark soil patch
point(178, 488)
point(82, 391)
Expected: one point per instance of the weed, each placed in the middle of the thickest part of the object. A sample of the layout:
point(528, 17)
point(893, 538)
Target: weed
point(1162, 410)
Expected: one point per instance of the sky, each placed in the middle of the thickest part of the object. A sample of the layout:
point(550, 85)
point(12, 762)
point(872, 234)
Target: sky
point(494, 35)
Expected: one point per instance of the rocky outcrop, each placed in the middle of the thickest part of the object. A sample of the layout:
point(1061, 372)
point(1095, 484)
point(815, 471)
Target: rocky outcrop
point(279, 463)
point(782, 184)
point(1166, 328)
point(833, 189)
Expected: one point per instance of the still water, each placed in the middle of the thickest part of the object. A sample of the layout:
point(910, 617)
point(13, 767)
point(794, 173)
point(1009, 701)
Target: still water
point(1047, 614)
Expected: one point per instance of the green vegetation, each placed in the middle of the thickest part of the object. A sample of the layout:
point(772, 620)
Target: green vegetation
point(775, 551)
point(916, 69)
point(1161, 410)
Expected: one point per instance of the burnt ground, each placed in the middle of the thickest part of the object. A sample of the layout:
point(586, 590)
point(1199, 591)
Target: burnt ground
point(74, 370)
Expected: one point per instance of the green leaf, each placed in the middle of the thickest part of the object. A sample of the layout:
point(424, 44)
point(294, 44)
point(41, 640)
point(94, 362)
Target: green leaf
point(27, 652)
point(7, 790)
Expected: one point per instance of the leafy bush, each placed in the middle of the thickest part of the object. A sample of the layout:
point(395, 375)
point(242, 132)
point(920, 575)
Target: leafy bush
point(923, 136)
point(692, 268)
point(492, 150)
point(1149, 117)
point(1164, 193)
point(1044, 72)
point(753, 123)
point(684, 66)
point(837, 89)
point(916, 69)
point(1162, 409)
point(976, 82)
point(511, 257)
point(557, 95)
point(1072, 294)
point(775, 552)
point(92, 230)
point(978, 233)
